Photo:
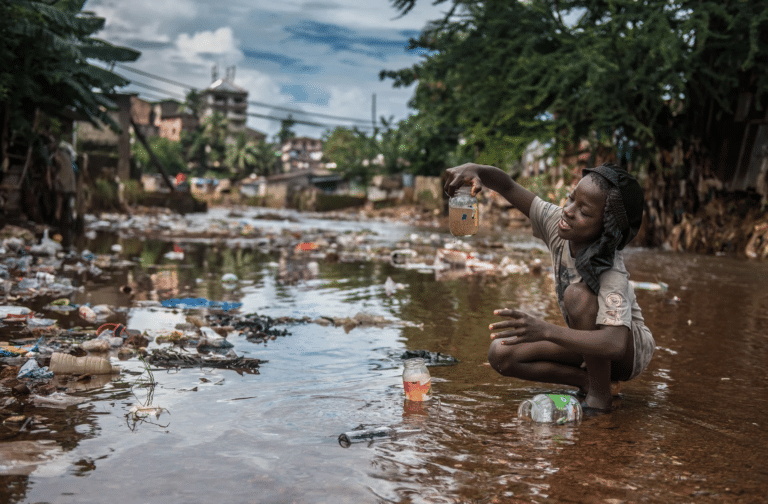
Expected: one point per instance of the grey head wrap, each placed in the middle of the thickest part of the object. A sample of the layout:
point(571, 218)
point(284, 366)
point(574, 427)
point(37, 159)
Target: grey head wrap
point(622, 220)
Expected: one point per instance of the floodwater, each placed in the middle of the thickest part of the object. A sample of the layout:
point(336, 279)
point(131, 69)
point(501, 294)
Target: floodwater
point(689, 429)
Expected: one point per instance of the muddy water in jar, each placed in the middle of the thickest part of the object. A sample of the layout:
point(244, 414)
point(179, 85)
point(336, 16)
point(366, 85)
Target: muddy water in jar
point(463, 213)
point(417, 383)
point(463, 221)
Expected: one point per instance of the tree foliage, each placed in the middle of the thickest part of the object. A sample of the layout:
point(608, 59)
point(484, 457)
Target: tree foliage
point(246, 157)
point(352, 151)
point(167, 151)
point(48, 49)
point(635, 79)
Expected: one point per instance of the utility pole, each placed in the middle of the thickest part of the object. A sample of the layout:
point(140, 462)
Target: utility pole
point(373, 111)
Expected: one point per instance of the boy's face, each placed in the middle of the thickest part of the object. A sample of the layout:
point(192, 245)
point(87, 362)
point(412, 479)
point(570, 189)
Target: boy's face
point(582, 221)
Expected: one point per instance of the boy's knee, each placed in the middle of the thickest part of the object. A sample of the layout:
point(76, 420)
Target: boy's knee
point(501, 358)
point(581, 305)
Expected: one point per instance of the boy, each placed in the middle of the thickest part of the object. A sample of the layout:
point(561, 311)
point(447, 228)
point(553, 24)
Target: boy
point(605, 339)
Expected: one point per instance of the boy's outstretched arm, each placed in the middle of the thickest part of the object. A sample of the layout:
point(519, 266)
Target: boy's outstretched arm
point(481, 176)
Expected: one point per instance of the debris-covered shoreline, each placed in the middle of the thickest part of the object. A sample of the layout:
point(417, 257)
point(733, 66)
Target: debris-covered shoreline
point(39, 280)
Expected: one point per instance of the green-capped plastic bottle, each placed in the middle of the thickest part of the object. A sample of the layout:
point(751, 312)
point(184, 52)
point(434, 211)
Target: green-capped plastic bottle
point(551, 408)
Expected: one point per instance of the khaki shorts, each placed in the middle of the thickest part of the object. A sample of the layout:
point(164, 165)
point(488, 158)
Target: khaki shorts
point(644, 347)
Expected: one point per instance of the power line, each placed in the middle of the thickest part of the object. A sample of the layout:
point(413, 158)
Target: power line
point(298, 111)
point(298, 121)
point(153, 76)
point(250, 102)
point(153, 88)
point(253, 114)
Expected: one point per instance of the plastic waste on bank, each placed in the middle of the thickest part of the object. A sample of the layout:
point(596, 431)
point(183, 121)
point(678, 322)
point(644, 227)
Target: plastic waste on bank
point(211, 339)
point(14, 312)
point(33, 371)
point(39, 323)
point(361, 436)
point(62, 363)
point(96, 345)
point(87, 314)
point(551, 408)
point(46, 246)
point(12, 351)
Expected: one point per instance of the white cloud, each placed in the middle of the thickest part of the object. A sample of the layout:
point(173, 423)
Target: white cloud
point(140, 19)
point(182, 40)
point(220, 43)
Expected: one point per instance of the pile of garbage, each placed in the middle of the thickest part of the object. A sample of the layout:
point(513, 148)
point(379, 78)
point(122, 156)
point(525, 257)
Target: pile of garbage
point(300, 252)
point(44, 363)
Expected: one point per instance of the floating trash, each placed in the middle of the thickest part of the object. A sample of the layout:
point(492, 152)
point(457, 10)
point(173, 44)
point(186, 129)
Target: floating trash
point(62, 363)
point(193, 303)
point(649, 286)
point(32, 370)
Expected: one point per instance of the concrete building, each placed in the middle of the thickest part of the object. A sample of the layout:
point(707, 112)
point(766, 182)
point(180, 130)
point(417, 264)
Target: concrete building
point(302, 154)
point(230, 100)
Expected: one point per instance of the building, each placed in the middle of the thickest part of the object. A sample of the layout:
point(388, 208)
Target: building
point(230, 100)
point(171, 119)
point(101, 139)
point(302, 154)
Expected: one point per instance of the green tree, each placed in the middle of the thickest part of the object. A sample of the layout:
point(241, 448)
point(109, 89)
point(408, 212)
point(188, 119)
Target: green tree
point(266, 158)
point(655, 85)
point(242, 156)
point(215, 132)
point(352, 151)
point(286, 129)
point(168, 152)
point(205, 147)
point(194, 103)
point(48, 53)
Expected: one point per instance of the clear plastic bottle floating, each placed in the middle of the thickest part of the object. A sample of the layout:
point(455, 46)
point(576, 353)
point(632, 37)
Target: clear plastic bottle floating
point(463, 215)
point(417, 383)
point(551, 408)
point(363, 436)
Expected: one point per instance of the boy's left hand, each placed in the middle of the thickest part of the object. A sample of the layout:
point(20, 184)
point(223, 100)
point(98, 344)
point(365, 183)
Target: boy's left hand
point(520, 328)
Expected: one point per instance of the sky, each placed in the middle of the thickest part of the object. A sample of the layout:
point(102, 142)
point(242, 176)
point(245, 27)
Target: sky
point(319, 57)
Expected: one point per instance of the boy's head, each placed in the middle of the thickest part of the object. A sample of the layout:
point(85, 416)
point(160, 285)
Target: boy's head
point(624, 199)
point(622, 217)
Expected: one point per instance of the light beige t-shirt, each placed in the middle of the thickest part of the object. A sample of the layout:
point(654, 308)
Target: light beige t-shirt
point(616, 299)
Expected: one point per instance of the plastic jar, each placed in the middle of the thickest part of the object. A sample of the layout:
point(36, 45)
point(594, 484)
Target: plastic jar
point(417, 382)
point(463, 212)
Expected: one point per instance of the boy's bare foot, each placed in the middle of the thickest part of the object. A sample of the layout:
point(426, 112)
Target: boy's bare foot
point(615, 390)
point(594, 403)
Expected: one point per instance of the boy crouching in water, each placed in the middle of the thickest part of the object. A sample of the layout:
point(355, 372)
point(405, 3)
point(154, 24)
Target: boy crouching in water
point(606, 339)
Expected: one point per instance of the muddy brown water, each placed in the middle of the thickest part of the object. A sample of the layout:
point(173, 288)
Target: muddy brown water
point(690, 429)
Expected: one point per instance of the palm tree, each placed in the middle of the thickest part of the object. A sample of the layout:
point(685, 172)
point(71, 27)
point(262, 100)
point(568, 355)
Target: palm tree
point(241, 156)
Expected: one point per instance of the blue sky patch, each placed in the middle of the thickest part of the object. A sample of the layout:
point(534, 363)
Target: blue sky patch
point(301, 93)
point(339, 39)
point(287, 63)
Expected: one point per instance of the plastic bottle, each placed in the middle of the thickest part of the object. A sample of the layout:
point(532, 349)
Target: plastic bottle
point(551, 408)
point(463, 215)
point(417, 383)
point(361, 436)
point(62, 363)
